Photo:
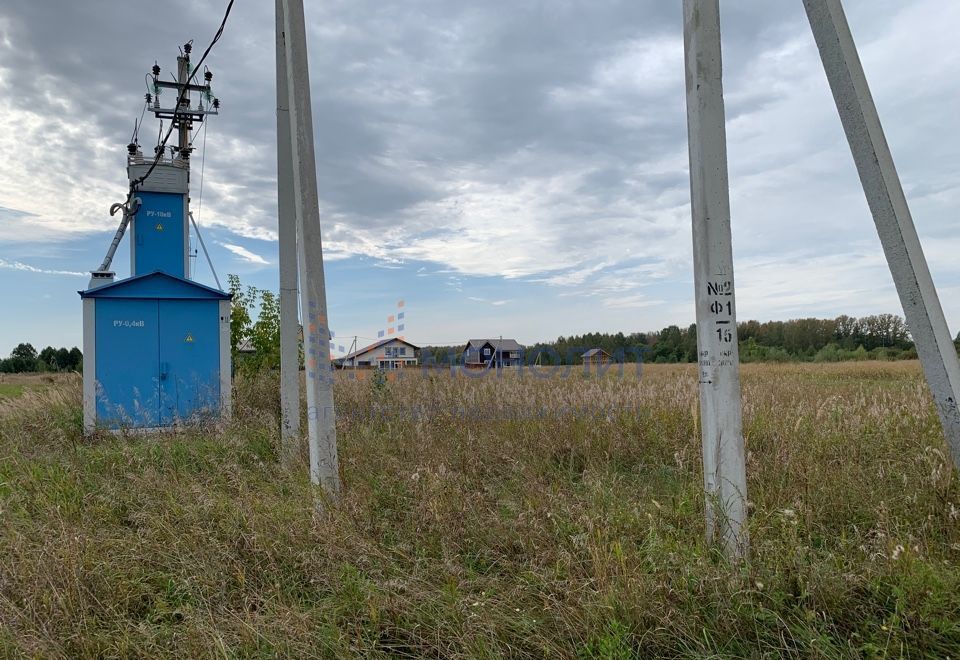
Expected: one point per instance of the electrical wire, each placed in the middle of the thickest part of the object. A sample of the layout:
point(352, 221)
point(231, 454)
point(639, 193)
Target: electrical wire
point(203, 161)
point(137, 125)
point(180, 97)
point(435, 344)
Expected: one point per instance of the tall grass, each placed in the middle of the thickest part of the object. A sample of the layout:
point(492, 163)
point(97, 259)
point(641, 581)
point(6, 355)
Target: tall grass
point(491, 517)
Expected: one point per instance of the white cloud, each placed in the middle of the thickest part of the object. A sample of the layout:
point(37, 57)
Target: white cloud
point(489, 146)
point(495, 303)
point(245, 254)
point(635, 301)
point(26, 268)
point(56, 171)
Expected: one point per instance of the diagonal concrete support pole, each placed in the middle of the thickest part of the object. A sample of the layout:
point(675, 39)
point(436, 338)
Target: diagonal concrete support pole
point(888, 204)
point(724, 469)
point(287, 224)
point(321, 431)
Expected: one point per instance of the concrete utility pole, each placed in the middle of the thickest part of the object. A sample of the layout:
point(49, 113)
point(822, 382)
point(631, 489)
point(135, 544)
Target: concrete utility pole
point(888, 204)
point(183, 123)
point(324, 468)
point(286, 212)
point(183, 75)
point(724, 470)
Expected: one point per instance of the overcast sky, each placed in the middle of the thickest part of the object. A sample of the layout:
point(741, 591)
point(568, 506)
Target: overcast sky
point(505, 168)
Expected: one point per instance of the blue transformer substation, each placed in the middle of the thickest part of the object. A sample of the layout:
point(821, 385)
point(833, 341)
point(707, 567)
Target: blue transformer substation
point(156, 344)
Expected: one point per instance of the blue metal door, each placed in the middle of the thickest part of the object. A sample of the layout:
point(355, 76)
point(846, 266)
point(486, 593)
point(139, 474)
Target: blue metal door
point(158, 234)
point(189, 359)
point(126, 365)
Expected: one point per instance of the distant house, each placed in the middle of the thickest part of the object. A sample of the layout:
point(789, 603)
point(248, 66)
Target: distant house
point(493, 352)
point(596, 356)
point(246, 347)
point(392, 353)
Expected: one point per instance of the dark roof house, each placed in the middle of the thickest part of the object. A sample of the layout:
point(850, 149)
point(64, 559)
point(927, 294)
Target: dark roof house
point(494, 352)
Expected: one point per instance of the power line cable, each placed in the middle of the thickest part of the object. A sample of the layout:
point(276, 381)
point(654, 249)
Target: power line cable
point(435, 344)
point(203, 161)
point(138, 124)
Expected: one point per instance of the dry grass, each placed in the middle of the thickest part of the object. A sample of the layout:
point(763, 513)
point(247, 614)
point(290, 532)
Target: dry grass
point(14, 385)
point(489, 517)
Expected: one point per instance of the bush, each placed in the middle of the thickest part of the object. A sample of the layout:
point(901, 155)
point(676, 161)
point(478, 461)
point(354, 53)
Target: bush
point(829, 353)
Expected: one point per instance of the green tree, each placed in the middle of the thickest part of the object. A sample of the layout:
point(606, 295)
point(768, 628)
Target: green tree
point(62, 359)
point(48, 357)
point(76, 359)
point(241, 323)
point(265, 334)
point(22, 359)
point(255, 322)
point(24, 351)
point(59, 359)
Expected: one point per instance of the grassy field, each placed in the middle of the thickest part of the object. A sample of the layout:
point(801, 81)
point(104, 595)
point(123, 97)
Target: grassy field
point(10, 390)
point(489, 518)
point(14, 385)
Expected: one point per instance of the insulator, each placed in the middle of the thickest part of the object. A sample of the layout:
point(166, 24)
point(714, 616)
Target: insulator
point(132, 149)
point(187, 47)
point(147, 97)
point(216, 104)
point(208, 76)
point(156, 70)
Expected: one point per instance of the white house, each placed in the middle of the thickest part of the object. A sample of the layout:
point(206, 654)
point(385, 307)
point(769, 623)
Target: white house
point(392, 353)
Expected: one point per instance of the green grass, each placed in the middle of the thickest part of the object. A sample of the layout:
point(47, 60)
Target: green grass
point(490, 534)
point(10, 390)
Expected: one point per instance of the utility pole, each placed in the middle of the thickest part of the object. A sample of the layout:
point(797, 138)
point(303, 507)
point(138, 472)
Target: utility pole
point(324, 466)
point(724, 469)
point(891, 214)
point(287, 221)
point(183, 124)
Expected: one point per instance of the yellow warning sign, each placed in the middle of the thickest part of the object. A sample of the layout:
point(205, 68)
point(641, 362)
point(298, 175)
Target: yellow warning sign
point(189, 338)
point(159, 226)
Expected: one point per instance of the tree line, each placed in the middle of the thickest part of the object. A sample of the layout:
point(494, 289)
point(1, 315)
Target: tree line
point(25, 359)
point(876, 337)
point(255, 341)
point(255, 327)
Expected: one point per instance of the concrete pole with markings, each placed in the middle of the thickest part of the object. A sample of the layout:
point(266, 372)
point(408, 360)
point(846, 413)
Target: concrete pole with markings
point(724, 470)
point(287, 221)
point(891, 214)
point(321, 423)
